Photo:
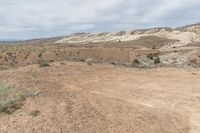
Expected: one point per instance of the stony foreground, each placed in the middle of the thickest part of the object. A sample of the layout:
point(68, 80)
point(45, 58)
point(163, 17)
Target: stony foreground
point(75, 97)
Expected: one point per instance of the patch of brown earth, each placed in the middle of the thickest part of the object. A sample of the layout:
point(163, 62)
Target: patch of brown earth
point(75, 97)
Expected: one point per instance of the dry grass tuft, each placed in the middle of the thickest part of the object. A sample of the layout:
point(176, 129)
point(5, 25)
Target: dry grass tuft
point(34, 112)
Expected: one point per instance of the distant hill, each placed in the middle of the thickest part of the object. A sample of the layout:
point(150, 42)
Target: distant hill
point(185, 34)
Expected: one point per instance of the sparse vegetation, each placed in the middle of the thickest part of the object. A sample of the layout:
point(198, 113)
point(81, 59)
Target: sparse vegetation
point(11, 98)
point(154, 47)
point(134, 94)
point(35, 74)
point(135, 63)
point(156, 60)
point(34, 112)
point(43, 63)
point(40, 55)
point(62, 63)
point(150, 56)
point(113, 63)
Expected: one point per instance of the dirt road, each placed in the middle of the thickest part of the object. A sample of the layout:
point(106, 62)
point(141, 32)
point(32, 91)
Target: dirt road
point(104, 98)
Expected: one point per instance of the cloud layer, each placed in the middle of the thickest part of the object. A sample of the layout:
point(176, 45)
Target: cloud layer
point(24, 19)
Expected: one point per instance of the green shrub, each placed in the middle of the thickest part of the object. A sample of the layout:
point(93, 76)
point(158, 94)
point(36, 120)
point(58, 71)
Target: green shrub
point(150, 56)
point(40, 55)
point(10, 98)
point(135, 63)
point(43, 63)
point(156, 60)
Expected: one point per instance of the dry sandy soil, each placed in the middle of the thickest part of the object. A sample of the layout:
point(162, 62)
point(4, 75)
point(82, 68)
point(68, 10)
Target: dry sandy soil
point(75, 97)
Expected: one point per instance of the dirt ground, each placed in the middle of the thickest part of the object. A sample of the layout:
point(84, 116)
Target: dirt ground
point(101, 98)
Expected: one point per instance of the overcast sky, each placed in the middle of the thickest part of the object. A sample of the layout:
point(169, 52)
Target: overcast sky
point(25, 19)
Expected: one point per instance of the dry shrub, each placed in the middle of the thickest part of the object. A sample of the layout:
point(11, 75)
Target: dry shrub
point(43, 63)
point(35, 112)
point(135, 63)
point(11, 98)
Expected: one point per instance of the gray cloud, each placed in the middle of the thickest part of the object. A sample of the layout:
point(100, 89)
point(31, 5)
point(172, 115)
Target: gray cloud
point(23, 19)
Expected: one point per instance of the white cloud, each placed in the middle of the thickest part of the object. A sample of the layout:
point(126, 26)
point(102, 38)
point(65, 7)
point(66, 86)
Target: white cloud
point(22, 19)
